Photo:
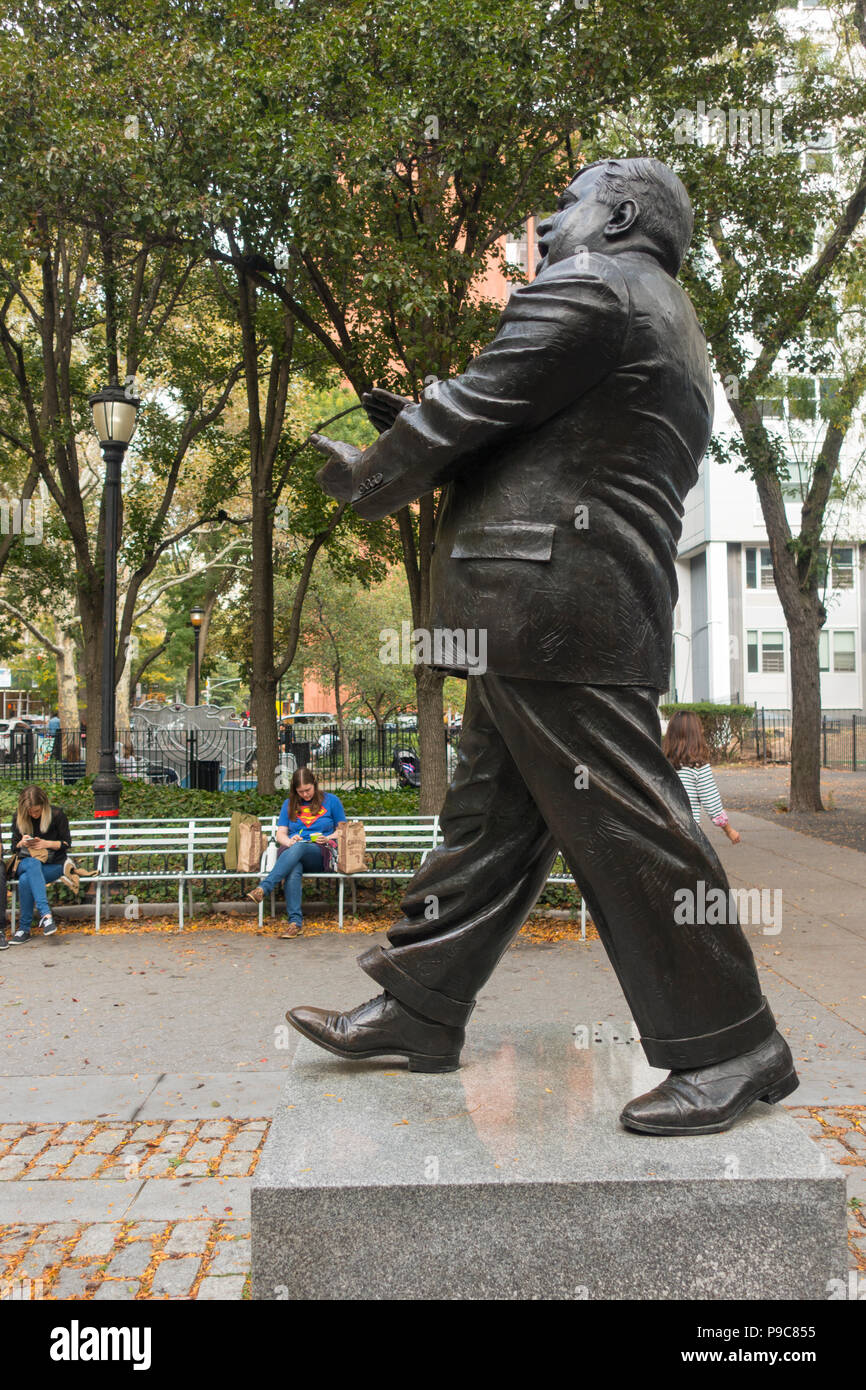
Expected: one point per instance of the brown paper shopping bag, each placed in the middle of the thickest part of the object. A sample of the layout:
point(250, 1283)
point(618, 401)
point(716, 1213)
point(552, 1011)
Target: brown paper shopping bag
point(351, 843)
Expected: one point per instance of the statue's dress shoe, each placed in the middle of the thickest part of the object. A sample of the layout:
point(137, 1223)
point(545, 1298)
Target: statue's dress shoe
point(382, 1028)
point(707, 1100)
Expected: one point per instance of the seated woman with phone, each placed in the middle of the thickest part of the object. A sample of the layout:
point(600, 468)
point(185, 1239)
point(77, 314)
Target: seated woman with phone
point(40, 855)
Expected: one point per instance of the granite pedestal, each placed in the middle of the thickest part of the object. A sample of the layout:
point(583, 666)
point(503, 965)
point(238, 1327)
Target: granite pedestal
point(512, 1179)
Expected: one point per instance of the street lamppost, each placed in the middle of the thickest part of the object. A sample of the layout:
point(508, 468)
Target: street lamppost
point(196, 618)
point(114, 413)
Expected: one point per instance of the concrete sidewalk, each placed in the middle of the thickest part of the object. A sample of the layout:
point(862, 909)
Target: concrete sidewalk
point(141, 1071)
point(814, 967)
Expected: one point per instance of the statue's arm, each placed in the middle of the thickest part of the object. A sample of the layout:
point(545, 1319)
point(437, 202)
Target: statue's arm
point(558, 337)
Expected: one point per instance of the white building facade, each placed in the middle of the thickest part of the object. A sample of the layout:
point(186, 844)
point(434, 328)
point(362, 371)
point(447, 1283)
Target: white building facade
point(731, 642)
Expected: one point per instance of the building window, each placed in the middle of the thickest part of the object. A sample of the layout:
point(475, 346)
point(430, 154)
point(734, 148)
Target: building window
point(752, 653)
point(759, 568)
point(796, 485)
point(801, 397)
point(771, 408)
point(843, 651)
point(843, 567)
point(772, 652)
point(517, 249)
point(823, 651)
point(828, 388)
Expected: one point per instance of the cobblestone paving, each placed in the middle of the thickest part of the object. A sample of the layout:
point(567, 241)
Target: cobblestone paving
point(194, 1258)
point(206, 1258)
point(149, 1149)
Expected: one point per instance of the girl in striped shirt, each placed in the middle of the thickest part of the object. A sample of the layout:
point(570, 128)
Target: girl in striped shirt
point(685, 747)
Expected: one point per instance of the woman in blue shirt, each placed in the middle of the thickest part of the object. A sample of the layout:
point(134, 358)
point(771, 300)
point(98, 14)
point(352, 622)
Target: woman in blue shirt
point(308, 818)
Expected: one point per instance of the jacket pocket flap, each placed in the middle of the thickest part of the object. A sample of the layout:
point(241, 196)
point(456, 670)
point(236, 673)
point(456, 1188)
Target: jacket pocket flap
point(519, 540)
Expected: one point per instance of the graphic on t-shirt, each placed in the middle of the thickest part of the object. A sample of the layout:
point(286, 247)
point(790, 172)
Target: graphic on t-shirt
point(306, 814)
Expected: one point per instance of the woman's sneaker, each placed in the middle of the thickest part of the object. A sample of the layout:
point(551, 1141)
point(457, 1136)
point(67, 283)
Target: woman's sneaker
point(20, 935)
point(4, 944)
point(256, 894)
point(48, 925)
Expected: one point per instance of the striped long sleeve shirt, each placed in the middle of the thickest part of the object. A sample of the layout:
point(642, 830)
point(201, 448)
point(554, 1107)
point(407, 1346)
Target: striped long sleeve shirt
point(700, 784)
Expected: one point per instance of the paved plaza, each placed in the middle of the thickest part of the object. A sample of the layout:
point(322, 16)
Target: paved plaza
point(141, 1070)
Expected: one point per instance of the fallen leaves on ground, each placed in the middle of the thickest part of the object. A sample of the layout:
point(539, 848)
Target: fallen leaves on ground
point(537, 928)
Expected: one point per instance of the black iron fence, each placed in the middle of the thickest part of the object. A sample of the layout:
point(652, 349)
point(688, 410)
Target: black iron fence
point(377, 758)
point(210, 758)
point(225, 758)
point(843, 739)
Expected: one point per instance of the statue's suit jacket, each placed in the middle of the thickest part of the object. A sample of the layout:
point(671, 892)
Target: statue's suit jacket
point(567, 448)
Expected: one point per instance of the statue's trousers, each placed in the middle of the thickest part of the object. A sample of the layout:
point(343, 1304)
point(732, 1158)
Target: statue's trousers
point(548, 765)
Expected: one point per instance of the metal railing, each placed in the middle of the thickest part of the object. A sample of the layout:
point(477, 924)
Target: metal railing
point(843, 739)
point(224, 759)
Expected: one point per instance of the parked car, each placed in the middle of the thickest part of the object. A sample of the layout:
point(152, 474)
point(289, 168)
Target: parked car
point(12, 741)
point(326, 744)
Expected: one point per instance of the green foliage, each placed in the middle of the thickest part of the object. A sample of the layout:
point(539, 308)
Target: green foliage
point(139, 800)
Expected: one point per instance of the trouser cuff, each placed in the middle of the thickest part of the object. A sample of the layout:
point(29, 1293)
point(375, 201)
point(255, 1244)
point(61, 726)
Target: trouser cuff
point(681, 1054)
point(430, 1003)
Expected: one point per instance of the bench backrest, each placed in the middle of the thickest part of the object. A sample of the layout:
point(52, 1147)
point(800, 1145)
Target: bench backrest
point(137, 838)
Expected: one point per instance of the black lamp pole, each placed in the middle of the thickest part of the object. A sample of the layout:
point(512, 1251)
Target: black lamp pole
point(114, 418)
point(196, 618)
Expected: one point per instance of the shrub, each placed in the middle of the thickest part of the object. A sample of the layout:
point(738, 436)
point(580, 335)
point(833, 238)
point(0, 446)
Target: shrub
point(140, 800)
point(725, 726)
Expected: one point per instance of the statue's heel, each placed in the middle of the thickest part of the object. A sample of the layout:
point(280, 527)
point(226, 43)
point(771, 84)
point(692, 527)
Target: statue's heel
point(782, 1088)
point(418, 1063)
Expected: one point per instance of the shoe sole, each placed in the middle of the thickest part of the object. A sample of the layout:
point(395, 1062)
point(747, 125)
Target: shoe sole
point(19, 941)
point(417, 1061)
point(771, 1096)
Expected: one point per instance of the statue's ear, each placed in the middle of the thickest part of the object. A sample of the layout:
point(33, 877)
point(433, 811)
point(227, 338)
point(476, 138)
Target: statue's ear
point(624, 216)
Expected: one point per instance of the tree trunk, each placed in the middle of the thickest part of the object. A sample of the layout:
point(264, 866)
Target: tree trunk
point(263, 683)
point(91, 628)
point(67, 682)
point(805, 790)
point(431, 740)
point(342, 734)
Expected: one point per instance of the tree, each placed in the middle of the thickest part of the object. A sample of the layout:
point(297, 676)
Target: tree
point(358, 164)
point(777, 272)
point(411, 138)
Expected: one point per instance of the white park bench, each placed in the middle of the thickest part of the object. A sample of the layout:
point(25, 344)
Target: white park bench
point(186, 852)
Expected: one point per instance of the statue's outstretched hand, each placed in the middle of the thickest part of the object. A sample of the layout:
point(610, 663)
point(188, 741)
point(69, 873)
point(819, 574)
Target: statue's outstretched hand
point(383, 407)
point(337, 476)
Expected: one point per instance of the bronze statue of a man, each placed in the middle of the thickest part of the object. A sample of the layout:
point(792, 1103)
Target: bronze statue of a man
point(567, 449)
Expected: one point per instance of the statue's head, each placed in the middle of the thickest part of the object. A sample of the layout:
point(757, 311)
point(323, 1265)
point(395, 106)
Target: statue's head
point(620, 205)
